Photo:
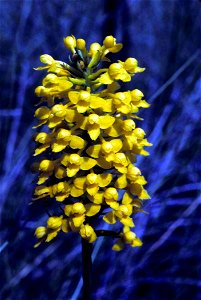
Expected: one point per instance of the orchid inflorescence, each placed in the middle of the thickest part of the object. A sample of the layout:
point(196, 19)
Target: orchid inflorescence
point(90, 142)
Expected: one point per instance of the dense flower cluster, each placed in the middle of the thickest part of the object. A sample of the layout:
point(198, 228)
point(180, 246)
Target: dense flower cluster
point(90, 142)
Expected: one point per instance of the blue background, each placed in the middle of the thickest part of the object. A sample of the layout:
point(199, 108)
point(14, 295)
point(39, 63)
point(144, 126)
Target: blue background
point(164, 36)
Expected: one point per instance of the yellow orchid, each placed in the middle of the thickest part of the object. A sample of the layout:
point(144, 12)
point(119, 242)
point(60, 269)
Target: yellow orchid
point(90, 183)
point(48, 233)
point(122, 213)
point(111, 197)
point(83, 100)
point(128, 237)
point(74, 162)
point(94, 123)
point(89, 142)
point(77, 213)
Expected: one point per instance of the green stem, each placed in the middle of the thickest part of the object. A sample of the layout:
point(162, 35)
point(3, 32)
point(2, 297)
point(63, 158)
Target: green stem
point(86, 269)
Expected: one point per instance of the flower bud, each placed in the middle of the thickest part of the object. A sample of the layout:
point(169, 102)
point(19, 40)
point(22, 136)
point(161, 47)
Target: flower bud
point(109, 41)
point(115, 69)
point(130, 64)
point(94, 48)
point(81, 44)
point(70, 43)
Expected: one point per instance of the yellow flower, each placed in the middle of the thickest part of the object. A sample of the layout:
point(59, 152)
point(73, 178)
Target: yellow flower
point(74, 162)
point(70, 43)
point(90, 183)
point(111, 197)
point(131, 65)
point(127, 237)
point(110, 45)
point(122, 213)
point(52, 65)
point(94, 123)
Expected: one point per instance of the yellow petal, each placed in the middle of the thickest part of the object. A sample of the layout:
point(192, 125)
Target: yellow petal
point(136, 242)
point(104, 179)
point(118, 246)
point(59, 146)
point(43, 177)
point(41, 149)
point(72, 169)
point(92, 189)
point(60, 172)
point(110, 218)
point(121, 182)
point(93, 131)
point(68, 209)
point(127, 221)
point(51, 236)
point(87, 163)
point(42, 113)
point(144, 195)
point(92, 209)
point(46, 59)
point(141, 180)
point(101, 162)
point(93, 237)
point(97, 198)
point(82, 106)
point(61, 197)
point(107, 106)
point(80, 182)
point(75, 192)
point(94, 151)
point(65, 226)
point(77, 142)
point(97, 102)
point(127, 198)
point(78, 220)
point(105, 78)
point(54, 121)
point(117, 144)
point(106, 121)
point(73, 96)
point(113, 204)
point(115, 130)
point(71, 115)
